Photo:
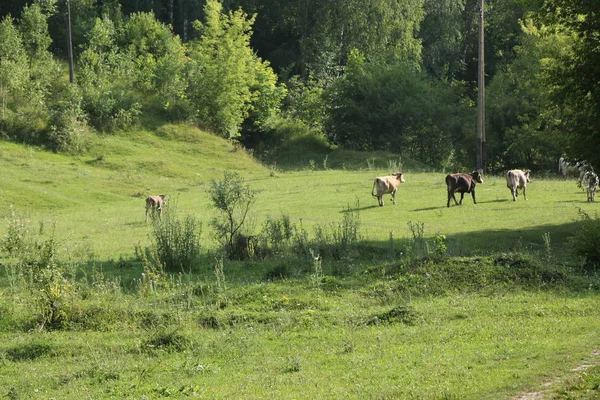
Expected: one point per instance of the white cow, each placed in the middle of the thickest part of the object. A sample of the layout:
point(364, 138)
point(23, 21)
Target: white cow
point(590, 181)
point(517, 179)
point(573, 168)
point(387, 184)
point(156, 204)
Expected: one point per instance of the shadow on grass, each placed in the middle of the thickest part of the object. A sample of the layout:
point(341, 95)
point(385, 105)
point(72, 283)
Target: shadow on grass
point(347, 210)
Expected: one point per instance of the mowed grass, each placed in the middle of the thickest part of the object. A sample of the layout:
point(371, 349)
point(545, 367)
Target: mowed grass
point(383, 329)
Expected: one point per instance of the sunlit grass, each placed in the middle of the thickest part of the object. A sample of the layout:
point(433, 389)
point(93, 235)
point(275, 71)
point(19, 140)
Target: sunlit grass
point(486, 323)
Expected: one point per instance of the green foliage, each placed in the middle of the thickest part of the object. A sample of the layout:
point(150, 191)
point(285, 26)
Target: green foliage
point(229, 81)
point(106, 77)
point(395, 108)
point(176, 242)
point(68, 131)
point(14, 68)
point(526, 129)
point(233, 200)
point(585, 241)
point(577, 77)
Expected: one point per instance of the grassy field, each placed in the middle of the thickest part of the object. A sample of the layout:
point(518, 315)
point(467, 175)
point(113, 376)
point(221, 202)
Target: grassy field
point(503, 310)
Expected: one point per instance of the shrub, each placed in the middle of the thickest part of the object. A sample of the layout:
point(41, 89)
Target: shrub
point(176, 243)
point(233, 200)
point(584, 243)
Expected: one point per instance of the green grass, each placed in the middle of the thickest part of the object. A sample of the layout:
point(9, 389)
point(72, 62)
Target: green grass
point(503, 314)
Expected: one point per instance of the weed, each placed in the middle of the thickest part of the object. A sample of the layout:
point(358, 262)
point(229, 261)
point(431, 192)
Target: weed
point(395, 165)
point(584, 243)
point(316, 277)
point(176, 243)
point(293, 364)
point(221, 286)
point(547, 247)
point(418, 247)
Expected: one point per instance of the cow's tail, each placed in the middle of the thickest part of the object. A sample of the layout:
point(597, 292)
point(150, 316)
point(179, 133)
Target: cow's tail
point(373, 190)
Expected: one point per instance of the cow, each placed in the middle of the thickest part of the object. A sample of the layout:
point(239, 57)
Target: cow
point(385, 185)
point(156, 204)
point(590, 181)
point(567, 168)
point(515, 179)
point(574, 168)
point(462, 183)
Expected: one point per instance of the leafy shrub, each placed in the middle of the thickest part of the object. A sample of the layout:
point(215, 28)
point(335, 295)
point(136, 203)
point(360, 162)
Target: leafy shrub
point(584, 243)
point(233, 201)
point(68, 129)
point(176, 243)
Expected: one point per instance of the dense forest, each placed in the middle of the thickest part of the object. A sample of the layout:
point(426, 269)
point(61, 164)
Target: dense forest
point(395, 75)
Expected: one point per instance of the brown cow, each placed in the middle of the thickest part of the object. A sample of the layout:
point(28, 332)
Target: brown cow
point(515, 179)
point(462, 183)
point(387, 184)
point(156, 203)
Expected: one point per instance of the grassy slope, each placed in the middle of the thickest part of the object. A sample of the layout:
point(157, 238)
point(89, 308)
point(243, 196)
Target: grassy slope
point(98, 205)
point(483, 345)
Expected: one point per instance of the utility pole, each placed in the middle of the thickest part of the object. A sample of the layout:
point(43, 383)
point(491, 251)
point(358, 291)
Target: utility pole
point(70, 44)
point(481, 90)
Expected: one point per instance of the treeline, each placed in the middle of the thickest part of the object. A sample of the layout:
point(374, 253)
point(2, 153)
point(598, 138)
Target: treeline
point(397, 75)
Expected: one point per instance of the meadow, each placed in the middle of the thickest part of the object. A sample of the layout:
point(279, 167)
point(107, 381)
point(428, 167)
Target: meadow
point(470, 302)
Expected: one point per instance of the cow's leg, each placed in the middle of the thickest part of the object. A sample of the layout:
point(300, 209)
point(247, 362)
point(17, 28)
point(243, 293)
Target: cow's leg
point(515, 193)
point(462, 196)
point(394, 197)
point(524, 192)
point(380, 200)
point(147, 213)
point(451, 194)
point(473, 194)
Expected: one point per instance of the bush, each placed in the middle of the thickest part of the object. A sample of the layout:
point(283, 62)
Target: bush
point(585, 242)
point(176, 243)
point(233, 201)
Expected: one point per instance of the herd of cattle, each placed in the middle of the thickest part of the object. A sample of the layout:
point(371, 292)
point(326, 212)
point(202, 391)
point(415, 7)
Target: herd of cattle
point(462, 183)
point(515, 179)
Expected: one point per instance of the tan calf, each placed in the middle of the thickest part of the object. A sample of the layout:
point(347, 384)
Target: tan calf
point(156, 204)
point(385, 185)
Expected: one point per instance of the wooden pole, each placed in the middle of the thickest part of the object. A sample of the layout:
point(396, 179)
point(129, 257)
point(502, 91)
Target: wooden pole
point(481, 94)
point(70, 44)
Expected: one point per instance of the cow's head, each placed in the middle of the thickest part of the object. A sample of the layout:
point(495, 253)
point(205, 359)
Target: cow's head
point(527, 173)
point(477, 176)
point(399, 176)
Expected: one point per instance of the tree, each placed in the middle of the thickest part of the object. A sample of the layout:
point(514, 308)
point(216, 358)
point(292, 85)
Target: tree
point(227, 80)
point(577, 77)
point(106, 77)
point(44, 69)
point(233, 199)
point(14, 65)
point(524, 125)
point(395, 108)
